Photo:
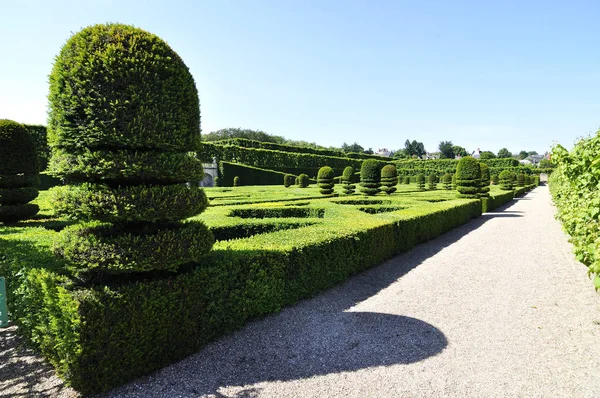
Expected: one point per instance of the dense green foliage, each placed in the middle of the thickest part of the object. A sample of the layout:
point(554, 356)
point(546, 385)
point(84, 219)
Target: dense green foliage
point(490, 202)
point(421, 181)
point(574, 186)
point(370, 177)
point(348, 180)
point(494, 179)
point(506, 180)
point(303, 180)
point(484, 187)
point(389, 179)
point(432, 182)
point(236, 181)
point(217, 182)
point(18, 172)
point(468, 177)
point(288, 180)
point(39, 134)
point(406, 180)
point(249, 175)
point(520, 180)
point(325, 180)
point(447, 181)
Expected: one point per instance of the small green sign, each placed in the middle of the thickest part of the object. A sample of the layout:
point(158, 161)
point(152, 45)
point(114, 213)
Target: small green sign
point(3, 309)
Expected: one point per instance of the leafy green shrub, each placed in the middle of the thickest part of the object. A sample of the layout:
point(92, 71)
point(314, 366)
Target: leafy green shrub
point(126, 154)
point(39, 134)
point(303, 180)
point(454, 181)
point(369, 177)
point(406, 180)
point(347, 180)
point(506, 180)
point(421, 182)
point(432, 182)
point(236, 181)
point(288, 180)
point(495, 179)
point(468, 177)
point(248, 174)
point(447, 181)
point(485, 180)
point(325, 180)
point(389, 179)
point(520, 180)
point(217, 182)
point(18, 172)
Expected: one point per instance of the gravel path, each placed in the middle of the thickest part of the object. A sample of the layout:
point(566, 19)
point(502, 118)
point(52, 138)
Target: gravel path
point(497, 307)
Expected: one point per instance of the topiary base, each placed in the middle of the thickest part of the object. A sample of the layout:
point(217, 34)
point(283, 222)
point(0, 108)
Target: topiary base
point(14, 213)
point(15, 196)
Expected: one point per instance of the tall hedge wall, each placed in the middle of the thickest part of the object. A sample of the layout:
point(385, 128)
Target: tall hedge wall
point(250, 175)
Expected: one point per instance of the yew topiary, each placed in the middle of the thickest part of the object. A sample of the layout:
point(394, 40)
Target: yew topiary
point(421, 181)
point(325, 180)
point(468, 177)
point(495, 179)
point(520, 180)
point(432, 182)
point(18, 172)
point(236, 181)
point(506, 180)
point(303, 180)
point(389, 179)
point(369, 177)
point(288, 180)
point(484, 187)
point(347, 180)
point(123, 122)
point(406, 180)
point(447, 181)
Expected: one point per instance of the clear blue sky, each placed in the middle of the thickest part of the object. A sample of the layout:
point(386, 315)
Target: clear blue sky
point(487, 74)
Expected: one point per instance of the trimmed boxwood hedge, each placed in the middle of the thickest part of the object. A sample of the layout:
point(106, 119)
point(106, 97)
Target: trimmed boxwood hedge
point(432, 182)
point(288, 180)
point(389, 179)
point(506, 180)
point(447, 181)
point(15, 196)
point(421, 181)
point(495, 200)
point(369, 177)
point(520, 180)
point(347, 180)
point(248, 175)
point(325, 180)
point(303, 180)
point(468, 177)
point(484, 187)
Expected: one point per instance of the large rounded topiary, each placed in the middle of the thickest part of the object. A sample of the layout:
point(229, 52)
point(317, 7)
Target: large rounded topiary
point(484, 187)
point(389, 178)
point(303, 180)
point(288, 180)
point(347, 180)
point(123, 121)
point(420, 178)
point(468, 177)
point(447, 181)
point(18, 172)
point(506, 180)
point(325, 180)
point(369, 177)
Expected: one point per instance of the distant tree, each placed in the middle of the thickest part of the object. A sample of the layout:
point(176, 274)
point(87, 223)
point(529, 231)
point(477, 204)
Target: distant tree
point(228, 133)
point(532, 153)
point(352, 148)
point(446, 150)
point(504, 153)
point(487, 155)
point(459, 151)
point(369, 151)
point(546, 164)
point(401, 154)
point(523, 154)
point(414, 148)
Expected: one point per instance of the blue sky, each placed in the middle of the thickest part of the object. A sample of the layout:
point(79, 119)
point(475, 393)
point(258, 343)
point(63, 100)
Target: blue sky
point(483, 74)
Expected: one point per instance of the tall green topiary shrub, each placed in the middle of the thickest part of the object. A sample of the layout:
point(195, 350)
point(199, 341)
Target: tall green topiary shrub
point(454, 181)
point(236, 181)
point(288, 180)
point(431, 182)
point(484, 187)
point(506, 180)
point(389, 179)
point(303, 180)
point(18, 172)
point(406, 180)
point(495, 179)
point(447, 181)
point(468, 177)
point(347, 180)
point(520, 180)
point(369, 177)
point(217, 182)
point(421, 181)
point(325, 180)
point(123, 118)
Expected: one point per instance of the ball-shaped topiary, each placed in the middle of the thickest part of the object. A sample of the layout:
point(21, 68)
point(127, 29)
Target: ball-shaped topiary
point(18, 172)
point(123, 120)
point(389, 178)
point(325, 180)
point(506, 180)
point(520, 180)
point(303, 180)
point(369, 177)
point(447, 181)
point(347, 180)
point(288, 180)
point(468, 177)
point(432, 182)
point(484, 187)
point(420, 181)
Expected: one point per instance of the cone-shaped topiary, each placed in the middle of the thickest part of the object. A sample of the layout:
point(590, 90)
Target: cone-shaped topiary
point(432, 182)
point(506, 180)
point(325, 180)
point(389, 178)
point(288, 180)
point(303, 180)
point(447, 181)
point(369, 177)
point(18, 172)
point(468, 177)
point(123, 119)
point(484, 187)
point(347, 180)
point(421, 181)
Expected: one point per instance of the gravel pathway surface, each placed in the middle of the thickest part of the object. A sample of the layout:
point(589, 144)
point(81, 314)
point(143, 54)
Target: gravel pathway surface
point(497, 307)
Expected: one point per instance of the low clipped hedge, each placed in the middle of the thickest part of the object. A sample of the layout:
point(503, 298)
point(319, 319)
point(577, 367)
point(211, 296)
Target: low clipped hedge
point(495, 200)
point(520, 191)
point(134, 203)
point(250, 175)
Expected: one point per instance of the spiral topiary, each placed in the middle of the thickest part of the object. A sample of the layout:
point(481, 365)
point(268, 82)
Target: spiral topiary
point(325, 180)
point(432, 182)
point(303, 180)
point(447, 181)
point(506, 180)
point(484, 187)
point(288, 180)
point(389, 179)
point(369, 177)
point(468, 177)
point(347, 180)
point(18, 172)
point(123, 120)
point(421, 181)
point(520, 180)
